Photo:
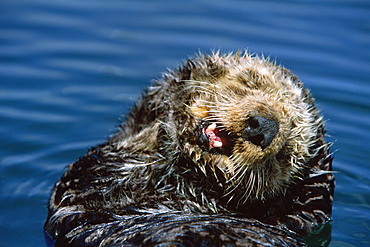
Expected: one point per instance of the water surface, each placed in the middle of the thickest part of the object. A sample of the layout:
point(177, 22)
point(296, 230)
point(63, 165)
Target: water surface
point(69, 69)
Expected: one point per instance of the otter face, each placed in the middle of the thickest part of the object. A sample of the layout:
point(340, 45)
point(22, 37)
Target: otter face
point(252, 122)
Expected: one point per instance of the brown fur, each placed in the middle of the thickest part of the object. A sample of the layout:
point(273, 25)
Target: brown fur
point(156, 161)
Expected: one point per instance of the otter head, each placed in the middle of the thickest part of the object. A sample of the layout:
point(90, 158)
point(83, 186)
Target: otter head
point(252, 124)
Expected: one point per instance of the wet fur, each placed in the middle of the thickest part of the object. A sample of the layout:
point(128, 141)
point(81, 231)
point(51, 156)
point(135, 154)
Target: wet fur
point(153, 183)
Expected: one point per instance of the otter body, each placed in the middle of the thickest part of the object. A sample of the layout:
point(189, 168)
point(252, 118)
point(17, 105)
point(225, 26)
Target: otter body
point(227, 150)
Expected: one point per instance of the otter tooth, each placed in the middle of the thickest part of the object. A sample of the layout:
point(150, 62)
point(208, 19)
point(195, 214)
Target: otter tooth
point(217, 144)
point(212, 127)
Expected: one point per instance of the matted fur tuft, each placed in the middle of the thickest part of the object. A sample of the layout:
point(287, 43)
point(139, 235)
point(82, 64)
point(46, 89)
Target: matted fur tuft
point(188, 155)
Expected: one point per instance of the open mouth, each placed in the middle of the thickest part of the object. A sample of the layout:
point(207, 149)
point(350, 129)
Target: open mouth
point(213, 139)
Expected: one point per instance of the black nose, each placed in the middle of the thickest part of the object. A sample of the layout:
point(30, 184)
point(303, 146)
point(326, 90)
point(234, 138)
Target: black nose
point(260, 131)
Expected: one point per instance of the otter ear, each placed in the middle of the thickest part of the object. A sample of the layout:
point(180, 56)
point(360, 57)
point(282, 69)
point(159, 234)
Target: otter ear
point(142, 141)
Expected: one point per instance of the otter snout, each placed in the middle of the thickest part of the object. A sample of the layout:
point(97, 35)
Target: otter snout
point(260, 131)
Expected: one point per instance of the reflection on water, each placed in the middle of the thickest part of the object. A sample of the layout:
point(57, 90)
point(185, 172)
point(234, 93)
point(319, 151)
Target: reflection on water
point(68, 69)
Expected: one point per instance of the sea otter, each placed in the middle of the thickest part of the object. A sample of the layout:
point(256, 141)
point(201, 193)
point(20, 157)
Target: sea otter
point(227, 150)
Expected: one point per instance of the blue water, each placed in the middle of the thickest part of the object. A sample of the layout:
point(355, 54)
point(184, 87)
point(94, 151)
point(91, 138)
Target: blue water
point(69, 69)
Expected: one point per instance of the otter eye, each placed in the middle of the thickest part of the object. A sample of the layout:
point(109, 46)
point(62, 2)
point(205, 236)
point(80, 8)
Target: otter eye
point(260, 131)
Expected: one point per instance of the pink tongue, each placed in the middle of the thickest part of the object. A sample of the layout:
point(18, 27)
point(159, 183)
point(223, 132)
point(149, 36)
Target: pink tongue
point(214, 140)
